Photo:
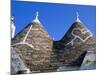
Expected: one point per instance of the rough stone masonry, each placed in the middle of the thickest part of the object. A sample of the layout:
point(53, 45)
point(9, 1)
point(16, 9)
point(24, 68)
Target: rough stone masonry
point(40, 53)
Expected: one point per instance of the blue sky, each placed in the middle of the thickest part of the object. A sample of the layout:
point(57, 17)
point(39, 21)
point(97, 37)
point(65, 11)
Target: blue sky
point(56, 18)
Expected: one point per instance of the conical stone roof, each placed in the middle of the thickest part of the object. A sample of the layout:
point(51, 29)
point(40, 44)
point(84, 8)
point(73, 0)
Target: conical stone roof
point(42, 54)
point(35, 47)
point(75, 42)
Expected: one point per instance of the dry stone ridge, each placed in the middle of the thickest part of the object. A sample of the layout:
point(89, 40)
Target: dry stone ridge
point(38, 52)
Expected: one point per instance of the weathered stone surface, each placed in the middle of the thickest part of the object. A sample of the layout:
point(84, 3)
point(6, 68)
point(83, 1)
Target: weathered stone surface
point(35, 47)
point(75, 42)
point(42, 54)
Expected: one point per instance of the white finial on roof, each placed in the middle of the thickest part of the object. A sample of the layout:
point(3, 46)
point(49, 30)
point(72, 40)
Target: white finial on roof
point(78, 19)
point(36, 18)
point(12, 18)
point(12, 27)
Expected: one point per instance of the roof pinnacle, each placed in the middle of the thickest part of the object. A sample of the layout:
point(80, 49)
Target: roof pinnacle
point(12, 18)
point(36, 18)
point(12, 27)
point(77, 19)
